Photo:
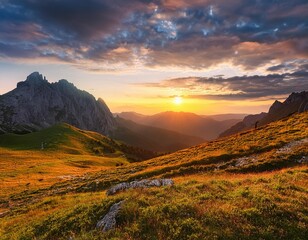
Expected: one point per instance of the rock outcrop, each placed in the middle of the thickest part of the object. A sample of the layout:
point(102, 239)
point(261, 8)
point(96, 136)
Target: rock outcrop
point(139, 184)
point(37, 104)
point(109, 220)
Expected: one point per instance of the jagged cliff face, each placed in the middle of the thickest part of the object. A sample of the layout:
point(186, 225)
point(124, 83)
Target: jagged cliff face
point(36, 104)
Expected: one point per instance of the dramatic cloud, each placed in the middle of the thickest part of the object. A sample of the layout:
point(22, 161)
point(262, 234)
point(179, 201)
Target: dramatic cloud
point(290, 66)
point(197, 34)
point(237, 88)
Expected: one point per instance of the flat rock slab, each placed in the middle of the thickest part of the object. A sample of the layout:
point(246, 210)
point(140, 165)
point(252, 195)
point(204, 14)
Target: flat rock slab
point(139, 184)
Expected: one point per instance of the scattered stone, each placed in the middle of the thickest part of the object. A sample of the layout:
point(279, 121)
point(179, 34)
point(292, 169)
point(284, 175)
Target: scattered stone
point(139, 184)
point(245, 161)
point(109, 220)
point(288, 147)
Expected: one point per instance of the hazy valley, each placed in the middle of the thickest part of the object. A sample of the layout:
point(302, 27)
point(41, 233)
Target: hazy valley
point(205, 127)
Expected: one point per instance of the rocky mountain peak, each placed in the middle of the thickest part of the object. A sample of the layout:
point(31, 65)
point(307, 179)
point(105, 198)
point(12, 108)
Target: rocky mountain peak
point(33, 80)
point(36, 104)
point(36, 77)
point(275, 106)
point(297, 96)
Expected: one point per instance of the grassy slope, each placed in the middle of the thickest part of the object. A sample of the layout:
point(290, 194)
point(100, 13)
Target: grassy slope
point(68, 152)
point(62, 137)
point(213, 198)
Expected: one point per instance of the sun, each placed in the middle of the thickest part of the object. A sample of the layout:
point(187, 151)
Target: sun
point(177, 100)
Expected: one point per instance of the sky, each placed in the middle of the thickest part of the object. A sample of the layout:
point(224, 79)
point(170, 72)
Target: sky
point(202, 56)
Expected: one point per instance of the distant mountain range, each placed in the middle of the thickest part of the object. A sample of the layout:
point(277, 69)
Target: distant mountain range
point(152, 138)
point(296, 102)
point(205, 127)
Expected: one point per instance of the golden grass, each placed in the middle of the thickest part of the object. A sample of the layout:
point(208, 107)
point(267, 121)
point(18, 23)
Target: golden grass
point(26, 170)
point(235, 177)
point(49, 205)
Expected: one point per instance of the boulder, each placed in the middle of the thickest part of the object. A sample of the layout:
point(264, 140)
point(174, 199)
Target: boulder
point(139, 184)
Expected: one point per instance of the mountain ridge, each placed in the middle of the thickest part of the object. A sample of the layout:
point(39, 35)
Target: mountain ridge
point(296, 102)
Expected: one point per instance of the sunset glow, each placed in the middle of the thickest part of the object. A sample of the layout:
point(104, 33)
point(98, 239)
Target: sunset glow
point(177, 100)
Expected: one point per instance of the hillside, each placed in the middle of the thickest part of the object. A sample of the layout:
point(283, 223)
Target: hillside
point(252, 185)
point(182, 122)
point(152, 138)
point(58, 153)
